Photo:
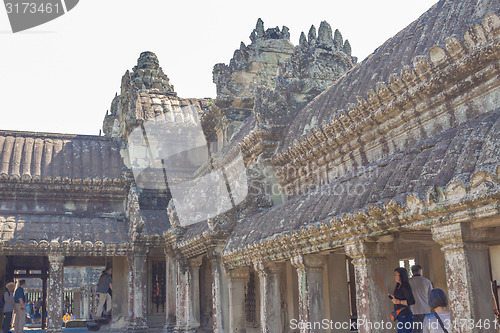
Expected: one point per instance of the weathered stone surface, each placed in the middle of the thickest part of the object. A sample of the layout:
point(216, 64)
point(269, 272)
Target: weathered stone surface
point(66, 158)
point(56, 274)
point(145, 93)
point(389, 58)
point(359, 160)
point(409, 172)
point(251, 66)
point(463, 246)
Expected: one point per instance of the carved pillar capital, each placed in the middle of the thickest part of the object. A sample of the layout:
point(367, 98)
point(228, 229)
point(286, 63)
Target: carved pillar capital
point(267, 268)
point(215, 252)
point(239, 274)
point(361, 249)
point(195, 262)
point(459, 235)
point(139, 251)
point(56, 258)
point(310, 261)
point(169, 251)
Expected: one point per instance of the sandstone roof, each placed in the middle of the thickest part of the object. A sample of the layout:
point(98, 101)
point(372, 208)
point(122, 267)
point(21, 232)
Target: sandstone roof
point(26, 157)
point(445, 18)
point(26, 228)
point(453, 155)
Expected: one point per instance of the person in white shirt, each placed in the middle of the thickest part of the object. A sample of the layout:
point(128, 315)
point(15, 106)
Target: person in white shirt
point(8, 297)
point(437, 301)
point(421, 288)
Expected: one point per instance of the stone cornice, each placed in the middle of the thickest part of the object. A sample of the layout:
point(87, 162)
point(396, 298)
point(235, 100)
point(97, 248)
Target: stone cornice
point(117, 188)
point(258, 141)
point(68, 183)
point(432, 80)
point(197, 245)
point(65, 248)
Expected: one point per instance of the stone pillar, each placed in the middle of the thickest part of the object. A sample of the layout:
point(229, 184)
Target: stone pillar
point(119, 301)
point(270, 297)
point(171, 290)
point(187, 307)
point(371, 291)
point(193, 294)
point(55, 293)
point(237, 281)
point(181, 302)
point(3, 277)
point(338, 294)
point(85, 303)
point(220, 291)
point(467, 275)
point(77, 301)
point(137, 290)
point(311, 298)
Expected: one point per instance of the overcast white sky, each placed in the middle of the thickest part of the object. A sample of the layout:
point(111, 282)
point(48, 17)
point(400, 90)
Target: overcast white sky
point(61, 76)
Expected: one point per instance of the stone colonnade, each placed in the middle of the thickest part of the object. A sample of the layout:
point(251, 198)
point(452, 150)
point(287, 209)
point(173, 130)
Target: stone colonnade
point(316, 294)
point(466, 261)
point(229, 288)
point(128, 302)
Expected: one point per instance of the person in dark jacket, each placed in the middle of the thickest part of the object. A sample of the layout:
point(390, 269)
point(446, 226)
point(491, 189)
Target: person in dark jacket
point(103, 286)
point(402, 299)
point(19, 307)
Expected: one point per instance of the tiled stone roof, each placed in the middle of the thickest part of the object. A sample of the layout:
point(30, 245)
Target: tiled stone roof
point(453, 155)
point(26, 228)
point(26, 157)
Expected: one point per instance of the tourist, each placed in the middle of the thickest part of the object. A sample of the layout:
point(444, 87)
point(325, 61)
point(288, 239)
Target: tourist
point(66, 318)
point(27, 308)
point(439, 321)
point(8, 298)
point(19, 307)
point(402, 299)
point(421, 288)
point(103, 286)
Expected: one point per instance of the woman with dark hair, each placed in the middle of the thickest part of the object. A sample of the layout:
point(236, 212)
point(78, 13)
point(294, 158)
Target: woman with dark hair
point(439, 321)
point(402, 299)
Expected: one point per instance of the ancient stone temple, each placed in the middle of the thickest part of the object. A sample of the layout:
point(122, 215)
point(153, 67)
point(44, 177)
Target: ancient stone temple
point(344, 171)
